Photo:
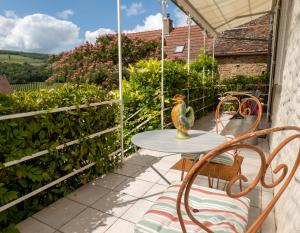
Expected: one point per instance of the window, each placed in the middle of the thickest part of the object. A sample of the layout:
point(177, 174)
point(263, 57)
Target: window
point(179, 49)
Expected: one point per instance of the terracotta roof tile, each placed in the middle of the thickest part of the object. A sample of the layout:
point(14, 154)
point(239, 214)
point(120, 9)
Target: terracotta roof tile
point(251, 38)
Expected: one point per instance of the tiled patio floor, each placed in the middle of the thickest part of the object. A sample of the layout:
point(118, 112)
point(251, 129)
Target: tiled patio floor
point(114, 203)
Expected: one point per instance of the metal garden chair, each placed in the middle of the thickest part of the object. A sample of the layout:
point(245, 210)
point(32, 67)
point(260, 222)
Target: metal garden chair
point(187, 207)
point(227, 165)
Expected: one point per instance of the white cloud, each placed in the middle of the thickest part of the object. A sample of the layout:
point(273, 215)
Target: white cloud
point(92, 36)
point(37, 32)
point(151, 22)
point(10, 14)
point(65, 14)
point(180, 18)
point(134, 9)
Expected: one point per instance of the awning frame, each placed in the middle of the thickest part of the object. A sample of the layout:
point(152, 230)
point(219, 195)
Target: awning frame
point(196, 16)
point(200, 20)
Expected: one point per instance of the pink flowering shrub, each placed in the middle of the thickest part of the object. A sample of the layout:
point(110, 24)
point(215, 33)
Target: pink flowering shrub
point(98, 63)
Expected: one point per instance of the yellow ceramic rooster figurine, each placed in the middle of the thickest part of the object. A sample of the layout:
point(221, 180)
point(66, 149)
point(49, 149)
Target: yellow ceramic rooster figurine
point(182, 117)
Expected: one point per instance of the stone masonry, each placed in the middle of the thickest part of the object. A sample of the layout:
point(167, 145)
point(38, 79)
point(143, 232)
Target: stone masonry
point(286, 109)
point(252, 65)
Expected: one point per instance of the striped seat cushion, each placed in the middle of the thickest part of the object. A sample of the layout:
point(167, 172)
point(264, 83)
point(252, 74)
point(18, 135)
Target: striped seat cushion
point(217, 211)
point(225, 159)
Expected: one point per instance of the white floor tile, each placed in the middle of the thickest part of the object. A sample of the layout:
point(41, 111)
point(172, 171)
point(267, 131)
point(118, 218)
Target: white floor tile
point(269, 225)
point(59, 212)
point(129, 169)
point(254, 212)
point(137, 211)
point(88, 194)
point(155, 192)
point(31, 225)
point(142, 159)
point(110, 180)
point(163, 165)
point(151, 175)
point(89, 221)
point(115, 203)
point(121, 226)
point(134, 187)
point(172, 158)
point(171, 176)
point(255, 198)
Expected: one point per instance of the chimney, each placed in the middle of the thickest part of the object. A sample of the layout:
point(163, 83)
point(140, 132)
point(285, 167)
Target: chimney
point(168, 25)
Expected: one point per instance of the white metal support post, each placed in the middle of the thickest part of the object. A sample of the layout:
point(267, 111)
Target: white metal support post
point(120, 78)
point(203, 71)
point(163, 6)
point(213, 66)
point(213, 61)
point(189, 21)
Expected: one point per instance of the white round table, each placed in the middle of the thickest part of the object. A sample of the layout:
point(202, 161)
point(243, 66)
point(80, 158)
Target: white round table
point(165, 141)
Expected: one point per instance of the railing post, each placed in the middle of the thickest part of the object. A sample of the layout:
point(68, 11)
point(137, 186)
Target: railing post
point(213, 61)
point(189, 21)
point(203, 71)
point(163, 6)
point(120, 78)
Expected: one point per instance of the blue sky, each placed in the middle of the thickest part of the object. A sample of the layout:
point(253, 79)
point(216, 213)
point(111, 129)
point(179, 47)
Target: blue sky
point(55, 25)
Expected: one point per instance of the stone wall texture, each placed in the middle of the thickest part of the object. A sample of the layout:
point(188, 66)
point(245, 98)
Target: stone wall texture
point(286, 110)
point(251, 65)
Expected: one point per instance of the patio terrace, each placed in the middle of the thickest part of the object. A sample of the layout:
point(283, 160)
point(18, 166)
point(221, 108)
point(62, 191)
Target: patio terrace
point(115, 202)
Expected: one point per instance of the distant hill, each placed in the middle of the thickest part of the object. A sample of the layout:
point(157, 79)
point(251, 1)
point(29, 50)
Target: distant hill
point(36, 59)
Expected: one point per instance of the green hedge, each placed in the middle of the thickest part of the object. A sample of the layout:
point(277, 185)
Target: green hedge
point(24, 136)
point(142, 92)
point(245, 83)
point(244, 80)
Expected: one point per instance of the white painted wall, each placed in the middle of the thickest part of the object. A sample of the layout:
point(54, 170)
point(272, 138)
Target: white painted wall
point(286, 109)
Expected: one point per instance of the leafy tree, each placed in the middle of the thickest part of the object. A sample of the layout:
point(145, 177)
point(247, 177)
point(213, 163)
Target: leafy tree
point(24, 73)
point(98, 63)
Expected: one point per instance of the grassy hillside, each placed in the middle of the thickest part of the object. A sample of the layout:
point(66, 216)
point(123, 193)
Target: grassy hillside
point(23, 57)
point(23, 67)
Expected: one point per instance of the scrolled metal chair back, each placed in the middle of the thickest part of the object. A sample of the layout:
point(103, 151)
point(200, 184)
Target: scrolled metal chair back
point(239, 99)
point(282, 169)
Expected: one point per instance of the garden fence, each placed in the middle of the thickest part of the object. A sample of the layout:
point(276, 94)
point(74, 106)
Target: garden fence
point(34, 86)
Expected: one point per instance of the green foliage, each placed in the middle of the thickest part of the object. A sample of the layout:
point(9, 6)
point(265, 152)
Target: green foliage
point(142, 92)
point(205, 63)
point(98, 63)
point(24, 73)
point(10, 229)
point(25, 136)
point(243, 79)
point(245, 83)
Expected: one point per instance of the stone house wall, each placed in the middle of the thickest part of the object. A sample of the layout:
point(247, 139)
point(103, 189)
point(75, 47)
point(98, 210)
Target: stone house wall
point(250, 65)
point(286, 110)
